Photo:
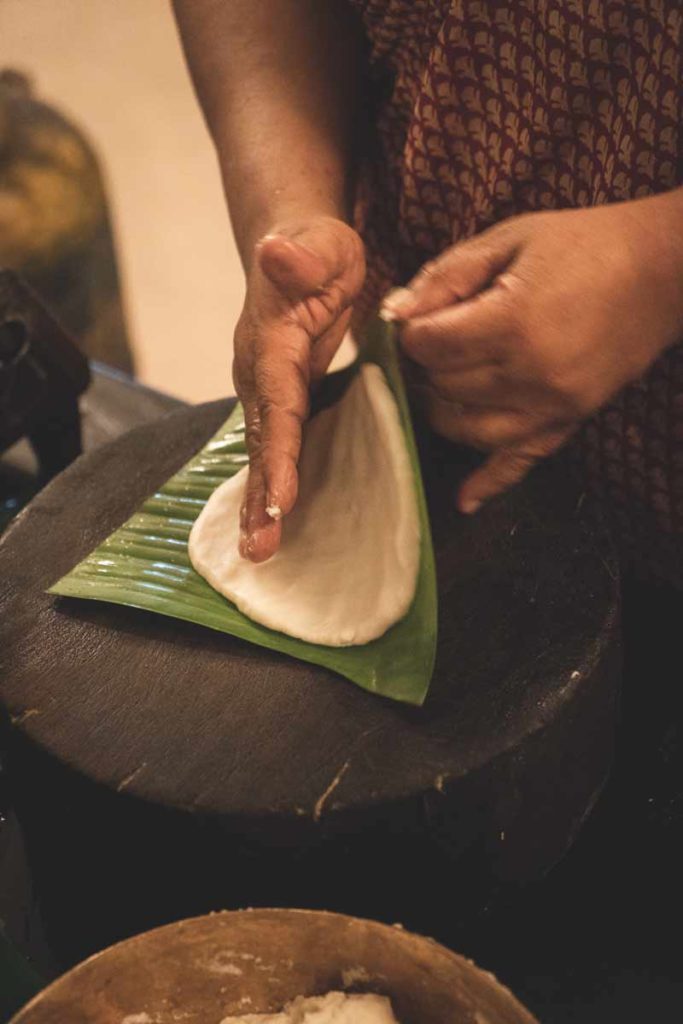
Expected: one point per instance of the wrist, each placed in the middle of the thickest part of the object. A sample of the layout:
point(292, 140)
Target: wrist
point(290, 220)
point(277, 218)
point(262, 200)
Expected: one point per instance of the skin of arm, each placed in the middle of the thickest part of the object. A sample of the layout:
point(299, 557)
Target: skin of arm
point(279, 85)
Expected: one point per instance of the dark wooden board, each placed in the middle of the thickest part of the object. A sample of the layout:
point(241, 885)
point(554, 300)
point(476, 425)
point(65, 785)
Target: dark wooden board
point(161, 769)
point(189, 718)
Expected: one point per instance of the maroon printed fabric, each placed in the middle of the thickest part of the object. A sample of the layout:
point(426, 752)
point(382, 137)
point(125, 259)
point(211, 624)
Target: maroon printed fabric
point(485, 109)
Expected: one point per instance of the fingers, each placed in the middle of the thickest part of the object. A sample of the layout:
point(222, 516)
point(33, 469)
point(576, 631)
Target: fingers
point(295, 268)
point(339, 248)
point(303, 262)
point(501, 471)
point(279, 454)
point(275, 400)
point(259, 532)
point(281, 378)
point(480, 428)
point(283, 398)
point(467, 335)
point(325, 347)
point(300, 289)
point(506, 468)
point(479, 387)
point(458, 274)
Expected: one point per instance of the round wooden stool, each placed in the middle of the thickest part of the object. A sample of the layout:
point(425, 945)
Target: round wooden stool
point(205, 969)
point(161, 769)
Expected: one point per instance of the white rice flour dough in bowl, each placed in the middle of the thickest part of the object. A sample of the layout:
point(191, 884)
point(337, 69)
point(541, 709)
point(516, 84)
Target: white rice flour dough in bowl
point(334, 1008)
point(348, 564)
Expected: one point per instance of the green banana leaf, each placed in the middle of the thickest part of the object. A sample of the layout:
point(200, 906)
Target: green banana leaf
point(145, 563)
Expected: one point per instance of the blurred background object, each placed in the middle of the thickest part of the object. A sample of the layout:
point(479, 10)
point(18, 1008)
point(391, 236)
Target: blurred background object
point(114, 69)
point(54, 222)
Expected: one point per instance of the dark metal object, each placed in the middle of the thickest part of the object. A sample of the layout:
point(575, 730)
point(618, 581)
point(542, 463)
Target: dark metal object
point(149, 750)
point(41, 376)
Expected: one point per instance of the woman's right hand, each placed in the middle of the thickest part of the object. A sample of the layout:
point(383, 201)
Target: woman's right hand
point(301, 285)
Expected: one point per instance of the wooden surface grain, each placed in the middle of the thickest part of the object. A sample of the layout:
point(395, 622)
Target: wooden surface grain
point(190, 718)
point(161, 769)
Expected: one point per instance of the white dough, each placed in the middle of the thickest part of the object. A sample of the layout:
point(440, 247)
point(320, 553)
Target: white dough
point(334, 1008)
point(349, 559)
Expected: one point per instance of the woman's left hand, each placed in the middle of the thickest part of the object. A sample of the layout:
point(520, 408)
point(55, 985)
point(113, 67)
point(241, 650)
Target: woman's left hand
point(527, 329)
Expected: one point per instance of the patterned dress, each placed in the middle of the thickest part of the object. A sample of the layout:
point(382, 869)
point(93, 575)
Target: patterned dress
point(483, 109)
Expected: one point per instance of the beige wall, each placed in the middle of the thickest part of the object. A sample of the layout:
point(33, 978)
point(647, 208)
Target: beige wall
point(115, 67)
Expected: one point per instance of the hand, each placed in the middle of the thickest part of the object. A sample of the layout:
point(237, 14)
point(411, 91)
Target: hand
point(522, 332)
point(300, 288)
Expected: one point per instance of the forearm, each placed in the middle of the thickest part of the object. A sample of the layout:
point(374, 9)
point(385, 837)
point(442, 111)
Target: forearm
point(278, 83)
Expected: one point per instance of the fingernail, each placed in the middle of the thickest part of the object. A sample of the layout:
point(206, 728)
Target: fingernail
point(274, 511)
point(395, 303)
point(470, 506)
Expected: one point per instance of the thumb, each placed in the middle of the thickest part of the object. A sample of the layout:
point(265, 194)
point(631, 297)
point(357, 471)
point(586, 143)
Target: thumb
point(304, 259)
point(291, 265)
point(505, 468)
point(458, 273)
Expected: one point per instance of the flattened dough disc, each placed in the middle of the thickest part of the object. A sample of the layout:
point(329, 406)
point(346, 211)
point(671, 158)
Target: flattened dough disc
point(347, 567)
